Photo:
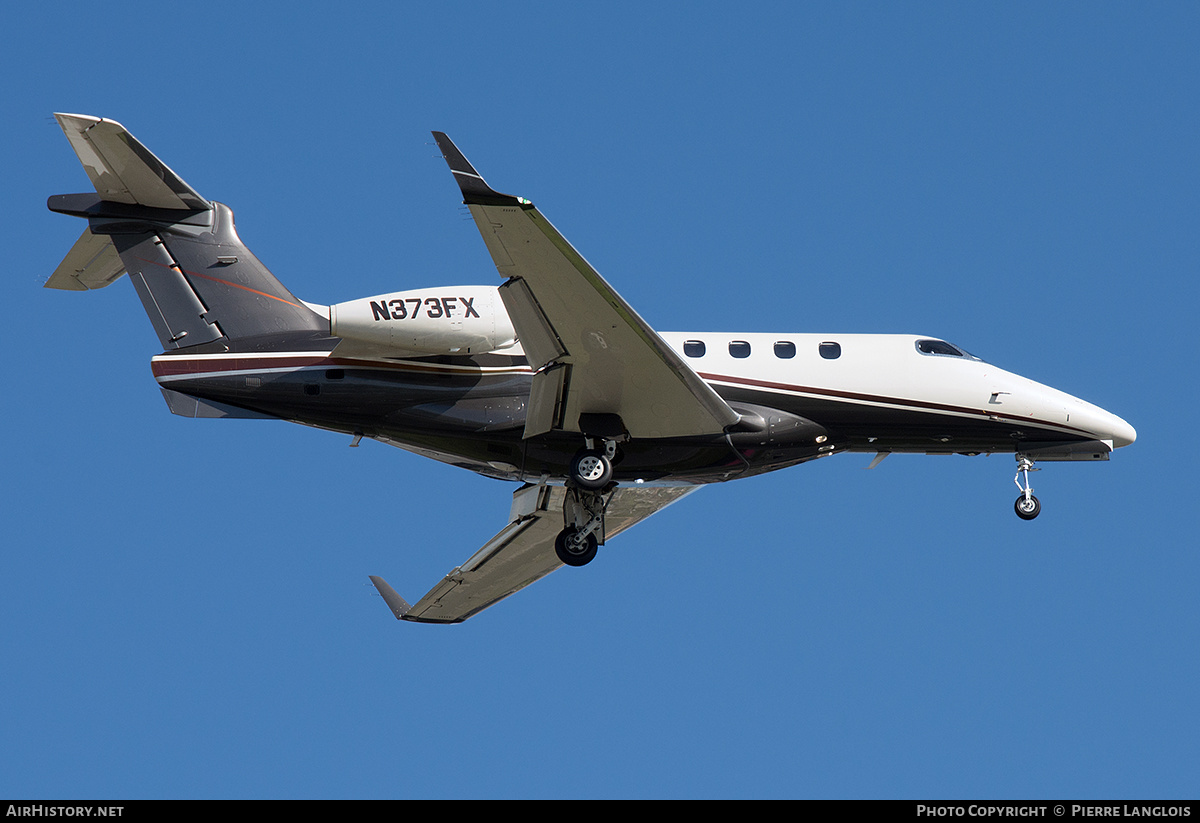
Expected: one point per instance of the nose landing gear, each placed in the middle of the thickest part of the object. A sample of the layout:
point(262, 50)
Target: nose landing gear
point(1027, 506)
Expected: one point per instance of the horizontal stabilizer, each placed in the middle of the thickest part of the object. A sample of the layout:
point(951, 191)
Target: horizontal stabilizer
point(92, 263)
point(122, 169)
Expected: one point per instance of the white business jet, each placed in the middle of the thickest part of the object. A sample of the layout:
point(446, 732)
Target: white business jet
point(550, 380)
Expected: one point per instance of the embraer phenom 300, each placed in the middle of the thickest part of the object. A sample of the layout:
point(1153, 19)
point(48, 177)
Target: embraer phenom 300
point(551, 379)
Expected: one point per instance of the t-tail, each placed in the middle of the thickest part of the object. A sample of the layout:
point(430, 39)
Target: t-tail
point(199, 285)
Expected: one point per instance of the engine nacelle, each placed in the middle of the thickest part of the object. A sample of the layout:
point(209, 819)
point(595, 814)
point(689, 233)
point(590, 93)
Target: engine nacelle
point(444, 320)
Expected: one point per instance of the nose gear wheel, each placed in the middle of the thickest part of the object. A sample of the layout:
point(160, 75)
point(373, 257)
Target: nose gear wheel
point(1027, 506)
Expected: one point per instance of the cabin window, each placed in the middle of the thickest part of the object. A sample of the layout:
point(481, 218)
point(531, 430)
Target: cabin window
point(693, 348)
point(785, 349)
point(335, 374)
point(830, 350)
point(938, 347)
point(739, 348)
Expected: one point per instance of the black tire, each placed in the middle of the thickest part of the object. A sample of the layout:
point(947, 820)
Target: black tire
point(591, 470)
point(572, 554)
point(1027, 509)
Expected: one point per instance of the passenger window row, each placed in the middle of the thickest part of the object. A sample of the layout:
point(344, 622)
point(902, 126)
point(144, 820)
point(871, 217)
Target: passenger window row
point(829, 350)
point(784, 349)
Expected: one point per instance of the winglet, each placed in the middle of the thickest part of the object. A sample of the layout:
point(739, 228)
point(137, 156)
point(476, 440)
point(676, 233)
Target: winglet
point(396, 603)
point(474, 188)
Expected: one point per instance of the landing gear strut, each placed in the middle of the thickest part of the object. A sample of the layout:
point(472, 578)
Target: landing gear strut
point(1027, 506)
point(589, 489)
point(583, 515)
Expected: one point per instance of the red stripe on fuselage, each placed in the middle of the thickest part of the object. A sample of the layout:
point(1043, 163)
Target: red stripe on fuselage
point(219, 280)
point(167, 366)
point(172, 365)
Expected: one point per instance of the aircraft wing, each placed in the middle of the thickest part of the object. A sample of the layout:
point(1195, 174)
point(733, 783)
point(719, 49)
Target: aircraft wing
point(521, 553)
point(592, 353)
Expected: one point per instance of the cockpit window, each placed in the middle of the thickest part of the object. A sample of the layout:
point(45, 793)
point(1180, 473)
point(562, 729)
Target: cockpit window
point(938, 347)
point(941, 347)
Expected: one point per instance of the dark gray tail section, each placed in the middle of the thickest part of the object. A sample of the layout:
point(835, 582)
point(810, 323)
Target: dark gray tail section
point(199, 286)
point(197, 281)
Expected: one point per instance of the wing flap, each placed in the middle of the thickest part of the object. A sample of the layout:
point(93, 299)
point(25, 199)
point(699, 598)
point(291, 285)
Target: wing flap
point(546, 393)
point(539, 340)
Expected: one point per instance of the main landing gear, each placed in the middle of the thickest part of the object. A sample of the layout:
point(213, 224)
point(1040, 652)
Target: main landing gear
point(1027, 506)
point(589, 489)
point(591, 470)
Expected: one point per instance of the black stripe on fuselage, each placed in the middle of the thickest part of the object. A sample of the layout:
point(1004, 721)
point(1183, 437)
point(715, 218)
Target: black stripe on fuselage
point(877, 418)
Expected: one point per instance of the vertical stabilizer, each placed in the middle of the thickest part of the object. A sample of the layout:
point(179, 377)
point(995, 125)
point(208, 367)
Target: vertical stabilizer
point(197, 281)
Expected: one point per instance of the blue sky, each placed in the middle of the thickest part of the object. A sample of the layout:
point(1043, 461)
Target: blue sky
point(184, 605)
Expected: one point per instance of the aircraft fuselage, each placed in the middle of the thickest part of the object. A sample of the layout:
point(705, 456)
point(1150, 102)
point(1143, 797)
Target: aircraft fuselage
point(801, 396)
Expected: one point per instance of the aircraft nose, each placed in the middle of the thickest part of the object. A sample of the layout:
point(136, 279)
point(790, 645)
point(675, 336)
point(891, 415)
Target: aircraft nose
point(1107, 426)
point(1123, 434)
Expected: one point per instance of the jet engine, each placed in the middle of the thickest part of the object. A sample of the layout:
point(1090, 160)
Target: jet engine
point(444, 320)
